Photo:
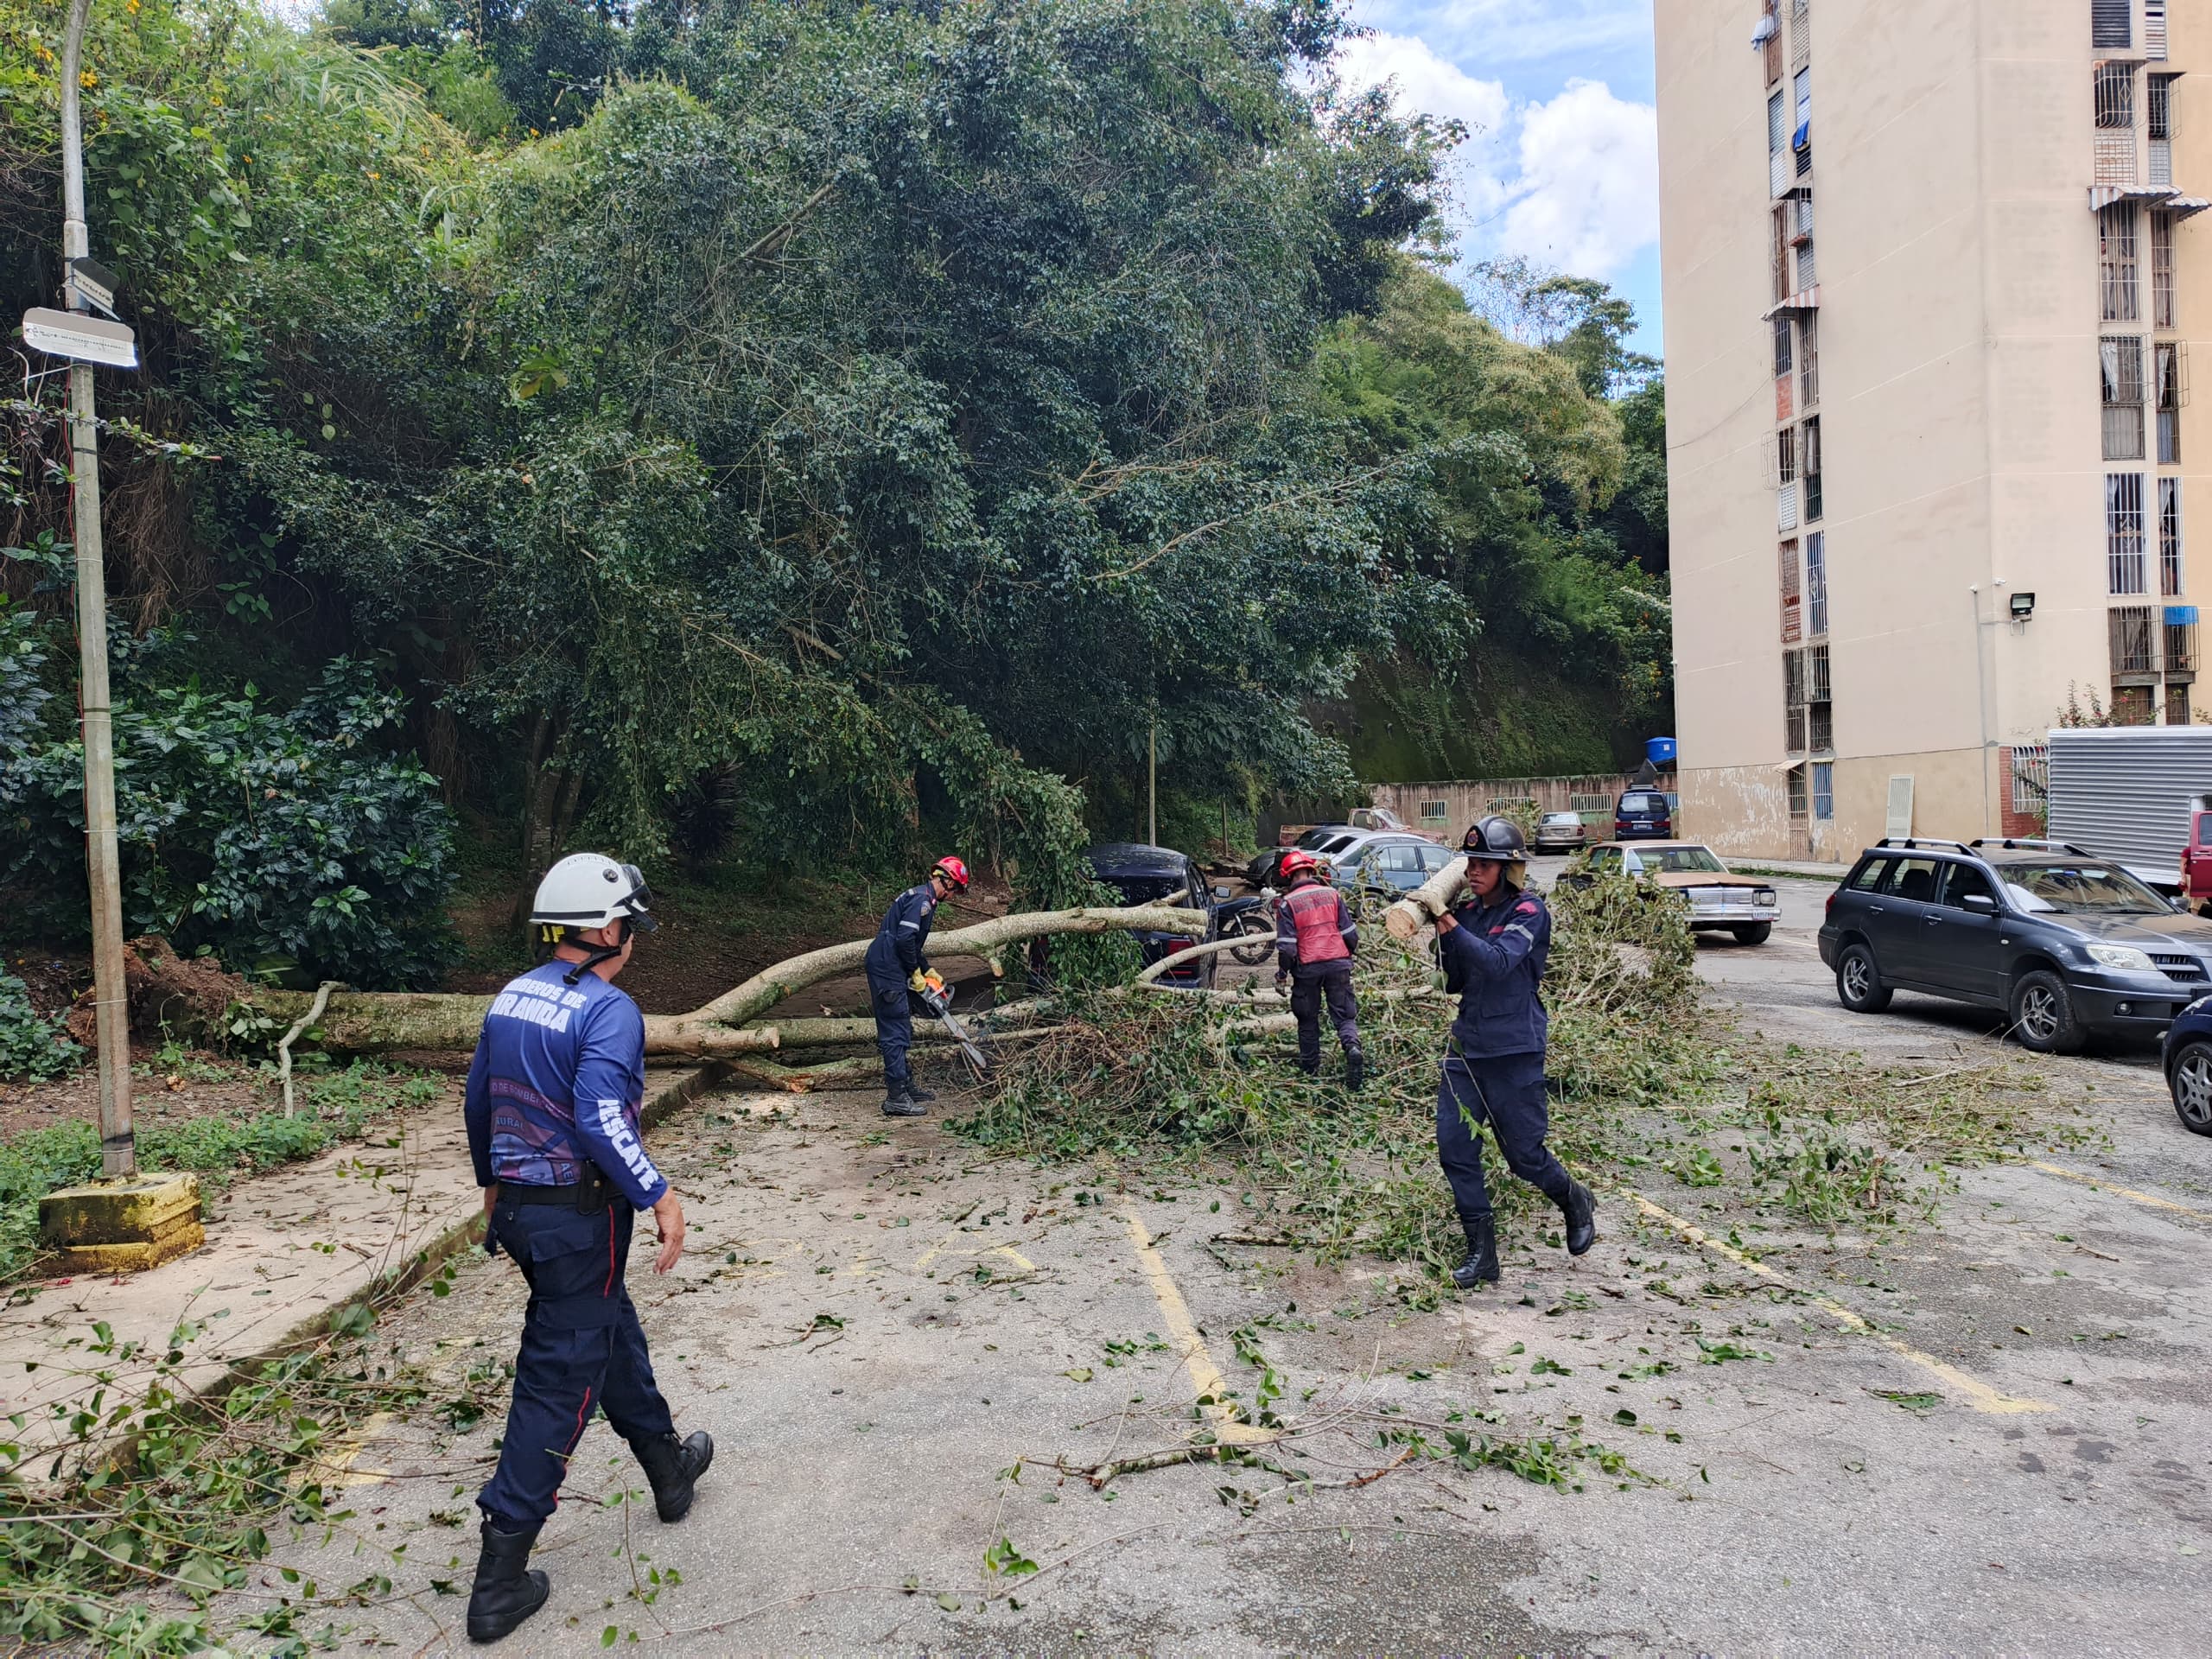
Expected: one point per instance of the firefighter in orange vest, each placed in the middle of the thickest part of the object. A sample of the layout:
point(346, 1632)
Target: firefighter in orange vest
point(1315, 937)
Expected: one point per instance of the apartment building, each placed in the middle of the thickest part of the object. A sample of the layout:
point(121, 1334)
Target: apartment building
point(1931, 276)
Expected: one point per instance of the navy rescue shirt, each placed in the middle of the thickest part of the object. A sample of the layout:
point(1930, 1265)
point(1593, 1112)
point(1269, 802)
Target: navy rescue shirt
point(556, 1083)
point(900, 945)
point(1494, 961)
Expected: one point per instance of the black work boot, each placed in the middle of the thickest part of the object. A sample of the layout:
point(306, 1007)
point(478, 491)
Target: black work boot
point(914, 1093)
point(1354, 1070)
point(505, 1593)
point(673, 1466)
point(1481, 1265)
point(903, 1104)
point(1581, 1210)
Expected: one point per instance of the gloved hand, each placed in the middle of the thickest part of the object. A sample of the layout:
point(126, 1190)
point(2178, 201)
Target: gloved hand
point(1282, 977)
point(917, 981)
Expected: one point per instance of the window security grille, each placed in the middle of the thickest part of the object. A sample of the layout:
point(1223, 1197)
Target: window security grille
point(2134, 633)
point(2032, 778)
point(2162, 270)
point(1797, 792)
point(2124, 532)
point(2117, 262)
point(1793, 621)
point(2120, 360)
point(1823, 791)
point(2180, 645)
point(2170, 543)
point(1816, 582)
point(1808, 360)
point(1793, 701)
point(1434, 811)
point(1808, 461)
point(2158, 123)
point(2114, 156)
point(2166, 360)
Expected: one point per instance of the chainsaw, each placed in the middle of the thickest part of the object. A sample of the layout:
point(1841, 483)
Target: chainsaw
point(933, 996)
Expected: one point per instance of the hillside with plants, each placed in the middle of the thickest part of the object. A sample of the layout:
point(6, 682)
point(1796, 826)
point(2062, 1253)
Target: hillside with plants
point(775, 437)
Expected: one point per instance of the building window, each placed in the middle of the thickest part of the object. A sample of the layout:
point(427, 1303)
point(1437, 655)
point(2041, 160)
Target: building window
point(1785, 474)
point(2116, 263)
point(1782, 361)
point(2115, 112)
point(2154, 31)
point(2120, 376)
point(2162, 270)
point(1820, 704)
point(1808, 462)
point(1824, 791)
point(1816, 582)
point(1808, 273)
point(2124, 532)
point(1777, 140)
point(2169, 548)
point(2181, 641)
point(1793, 617)
point(1434, 811)
point(2177, 705)
point(1797, 792)
point(1801, 137)
point(1808, 360)
point(2112, 22)
point(2158, 126)
point(2166, 361)
point(1793, 701)
point(2134, 636)
point(2131, 705)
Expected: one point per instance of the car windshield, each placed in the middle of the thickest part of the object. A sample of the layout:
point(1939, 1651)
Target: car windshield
point(2079, 889)
point(1680, 860)
point(1149, 889)
point(1643, 803)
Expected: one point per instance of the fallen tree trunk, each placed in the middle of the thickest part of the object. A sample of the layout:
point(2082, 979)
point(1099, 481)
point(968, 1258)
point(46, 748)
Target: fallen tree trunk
point(1419, 908)
point(366, 1022)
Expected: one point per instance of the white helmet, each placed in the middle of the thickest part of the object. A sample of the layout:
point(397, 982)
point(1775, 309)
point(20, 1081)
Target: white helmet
point(585, 891)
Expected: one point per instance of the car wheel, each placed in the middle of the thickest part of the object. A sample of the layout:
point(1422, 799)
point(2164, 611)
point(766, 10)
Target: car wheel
point(1858, 983)
point(2191, 1082)
point(1753, 932)
point(2043, 1014)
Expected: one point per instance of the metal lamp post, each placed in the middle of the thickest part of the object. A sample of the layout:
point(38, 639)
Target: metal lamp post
point(118, 1145)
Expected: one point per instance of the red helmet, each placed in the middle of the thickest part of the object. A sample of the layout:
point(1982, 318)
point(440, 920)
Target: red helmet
point(953, 871)
point(1298, 861)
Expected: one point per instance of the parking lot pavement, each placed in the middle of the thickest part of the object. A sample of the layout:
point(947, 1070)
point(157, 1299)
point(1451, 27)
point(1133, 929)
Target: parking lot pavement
point(1987, 1436)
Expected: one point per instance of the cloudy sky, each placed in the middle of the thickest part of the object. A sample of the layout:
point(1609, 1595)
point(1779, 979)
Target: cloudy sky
point(1562, 165)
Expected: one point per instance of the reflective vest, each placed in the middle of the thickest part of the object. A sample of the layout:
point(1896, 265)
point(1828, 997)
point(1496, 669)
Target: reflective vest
point(1316, 914)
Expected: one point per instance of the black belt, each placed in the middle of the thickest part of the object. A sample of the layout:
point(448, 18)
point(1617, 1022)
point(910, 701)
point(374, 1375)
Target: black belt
point(588, 1196)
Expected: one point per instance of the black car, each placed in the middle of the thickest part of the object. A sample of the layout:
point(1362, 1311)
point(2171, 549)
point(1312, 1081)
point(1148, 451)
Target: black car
point(2067, 944)
point(1159, 876)
point(1643, 815)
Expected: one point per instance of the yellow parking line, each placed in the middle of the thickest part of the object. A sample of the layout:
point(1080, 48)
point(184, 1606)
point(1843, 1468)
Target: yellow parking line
point(1205, 1376)
point(2150, 1198)
point(1979, 1394)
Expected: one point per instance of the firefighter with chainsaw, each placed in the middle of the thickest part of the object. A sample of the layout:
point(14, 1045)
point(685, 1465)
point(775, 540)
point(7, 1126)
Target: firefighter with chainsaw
point(551, 1108)
point(1315, 937)
point(899, 979)
point(1494, 949)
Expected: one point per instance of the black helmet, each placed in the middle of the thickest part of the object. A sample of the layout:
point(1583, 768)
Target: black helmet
point(1496, 841)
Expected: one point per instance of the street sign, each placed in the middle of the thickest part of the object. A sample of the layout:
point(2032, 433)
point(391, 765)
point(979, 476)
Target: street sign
point(95, 282)
point(87, 340)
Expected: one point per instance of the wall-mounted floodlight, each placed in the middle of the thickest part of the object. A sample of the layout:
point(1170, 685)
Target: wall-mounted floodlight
point(2023, 607)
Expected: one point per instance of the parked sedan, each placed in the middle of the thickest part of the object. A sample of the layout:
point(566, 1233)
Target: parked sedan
point(1720, 900)
point(1159, 876)
point(1388, 865)
point(1559, 832)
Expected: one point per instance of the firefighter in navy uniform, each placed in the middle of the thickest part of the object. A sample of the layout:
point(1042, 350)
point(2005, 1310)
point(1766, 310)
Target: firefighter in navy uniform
point(1494, 950)
point(1315, 937)
point(552, 1113)
point(899, 971)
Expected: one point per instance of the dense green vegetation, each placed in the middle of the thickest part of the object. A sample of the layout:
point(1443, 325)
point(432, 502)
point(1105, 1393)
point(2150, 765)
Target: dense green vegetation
point(782, 431)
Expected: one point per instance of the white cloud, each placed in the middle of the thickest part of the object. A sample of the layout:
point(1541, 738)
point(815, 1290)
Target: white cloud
point(1571, 184)
point(1590, 179)
point(1516, 31)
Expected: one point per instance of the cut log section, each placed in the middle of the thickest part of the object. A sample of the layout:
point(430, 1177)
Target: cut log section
point(1419, 908)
